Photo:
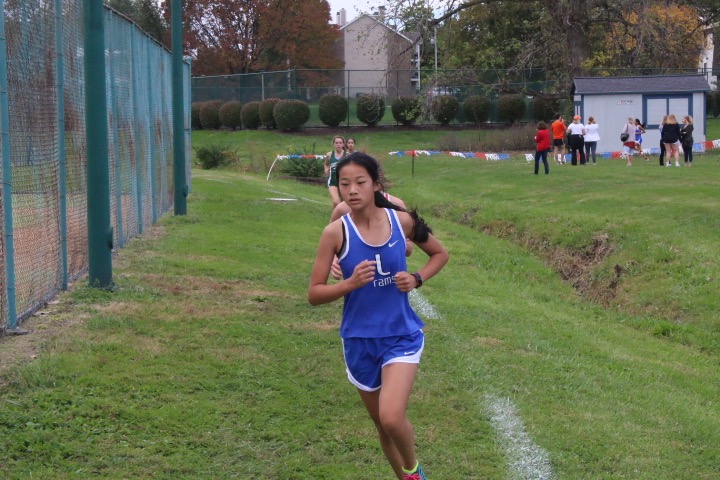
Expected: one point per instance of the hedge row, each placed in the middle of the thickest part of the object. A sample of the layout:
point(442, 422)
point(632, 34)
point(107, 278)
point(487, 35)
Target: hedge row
point(270, 113)
point(333, 109)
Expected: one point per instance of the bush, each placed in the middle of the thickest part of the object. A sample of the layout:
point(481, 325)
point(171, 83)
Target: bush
point(291, 114)
point(515, 138)
point(545, 108)
point(195, 115)
point(230, 114)
point(476, 109)
point(712, 102)
point(212, 156)
point(210, 114)
point(511, 108)
point(332, 109)
point(267, 119)
point(406, 110)
point(444, 108)
point(370, 109)
point(250, 115)
point(303, 167)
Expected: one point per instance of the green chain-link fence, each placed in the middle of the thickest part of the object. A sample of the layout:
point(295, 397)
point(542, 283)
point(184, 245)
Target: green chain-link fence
point(45, 149)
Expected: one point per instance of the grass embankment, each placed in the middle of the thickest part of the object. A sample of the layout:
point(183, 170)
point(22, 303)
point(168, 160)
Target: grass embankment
point(207, 362)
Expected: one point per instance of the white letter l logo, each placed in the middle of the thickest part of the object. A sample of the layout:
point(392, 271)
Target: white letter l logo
point(378, 263)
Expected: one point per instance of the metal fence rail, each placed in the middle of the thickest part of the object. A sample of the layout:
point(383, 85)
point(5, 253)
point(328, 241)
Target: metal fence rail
point(44, 245)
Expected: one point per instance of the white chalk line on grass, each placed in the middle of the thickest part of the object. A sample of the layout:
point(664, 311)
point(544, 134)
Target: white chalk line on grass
point(295, 196)
point(527, 461)
point(421, 305)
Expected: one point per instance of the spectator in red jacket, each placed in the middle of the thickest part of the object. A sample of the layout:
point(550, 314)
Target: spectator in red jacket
point(542, 139)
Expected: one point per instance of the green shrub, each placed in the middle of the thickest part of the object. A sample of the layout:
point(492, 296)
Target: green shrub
point(712, 102)
point(230, 114)
point(291, 114)
point(267, 119)
point(303, 167)
point(545, 108)
point(406, 110)
point(566, 107)
point(514, 138)
point(210, 114)
point(444, 108)
point(332, 109)
point(250, 115)
point(511, 108)
point(370, 109)
point(476, 109)
point(212, 156)
point(195, 115)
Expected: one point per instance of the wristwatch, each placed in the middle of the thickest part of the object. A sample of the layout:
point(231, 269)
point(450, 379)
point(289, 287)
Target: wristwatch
point(418, 279)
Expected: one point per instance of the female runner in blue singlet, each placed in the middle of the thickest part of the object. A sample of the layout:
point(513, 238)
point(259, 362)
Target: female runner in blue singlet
point(382, 335)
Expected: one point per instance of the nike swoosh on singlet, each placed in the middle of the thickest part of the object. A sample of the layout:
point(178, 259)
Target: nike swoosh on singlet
point(393, 243)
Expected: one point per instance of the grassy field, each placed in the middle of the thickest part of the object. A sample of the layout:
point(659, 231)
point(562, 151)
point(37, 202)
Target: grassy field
point(575, 333)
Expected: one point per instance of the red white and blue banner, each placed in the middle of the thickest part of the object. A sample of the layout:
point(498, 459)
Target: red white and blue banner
point(482, 156)
point(697, 147)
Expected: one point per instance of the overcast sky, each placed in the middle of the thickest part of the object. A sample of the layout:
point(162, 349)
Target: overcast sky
point(349, 6)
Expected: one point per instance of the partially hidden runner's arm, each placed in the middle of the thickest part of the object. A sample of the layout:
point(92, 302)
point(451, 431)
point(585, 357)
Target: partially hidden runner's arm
point(343, 208)
point(326, 163)
point(319, 292)
point(437, 257)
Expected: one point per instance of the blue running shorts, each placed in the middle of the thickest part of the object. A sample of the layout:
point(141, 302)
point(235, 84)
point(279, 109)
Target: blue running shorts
point(366, 357)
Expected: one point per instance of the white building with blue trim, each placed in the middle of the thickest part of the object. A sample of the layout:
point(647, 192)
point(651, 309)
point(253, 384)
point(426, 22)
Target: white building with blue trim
point(611, 100)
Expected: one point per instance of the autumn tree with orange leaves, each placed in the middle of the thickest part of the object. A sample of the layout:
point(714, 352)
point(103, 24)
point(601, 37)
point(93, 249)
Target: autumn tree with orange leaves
point(655, 36)
point(226, 37)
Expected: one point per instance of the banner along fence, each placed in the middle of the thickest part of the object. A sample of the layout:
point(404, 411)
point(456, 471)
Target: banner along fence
point(43, 206)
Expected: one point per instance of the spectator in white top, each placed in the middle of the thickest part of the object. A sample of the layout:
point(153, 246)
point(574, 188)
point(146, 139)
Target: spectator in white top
point(591, 138)
point(577, 144)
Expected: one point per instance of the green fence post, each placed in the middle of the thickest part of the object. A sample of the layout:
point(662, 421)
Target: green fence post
point(7, 179)
point(181, 187)
point(62, 167)
point(115, 130)
point(153, 147)
point(100, 234)
point(136, 129)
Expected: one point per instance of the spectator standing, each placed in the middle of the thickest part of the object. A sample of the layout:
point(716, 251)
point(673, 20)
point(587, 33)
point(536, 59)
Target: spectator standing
point(577, 145)
point(662, 145)
point(686, 134)
point(542, 139)
point(558, 131)
point(591, 138)
point(671, 139)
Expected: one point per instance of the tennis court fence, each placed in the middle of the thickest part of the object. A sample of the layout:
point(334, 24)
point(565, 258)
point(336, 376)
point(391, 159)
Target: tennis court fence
point(43, 206)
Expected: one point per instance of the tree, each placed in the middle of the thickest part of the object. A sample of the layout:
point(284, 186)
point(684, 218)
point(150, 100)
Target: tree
point(641, 40)
point(149, 17)
point(563, 34)
point(145, 13)
point(296, 34)
point(417, 18)
point(492, 36)
point(241, 36)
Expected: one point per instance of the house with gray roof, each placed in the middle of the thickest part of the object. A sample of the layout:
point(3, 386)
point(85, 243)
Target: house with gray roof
point(611, 100)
